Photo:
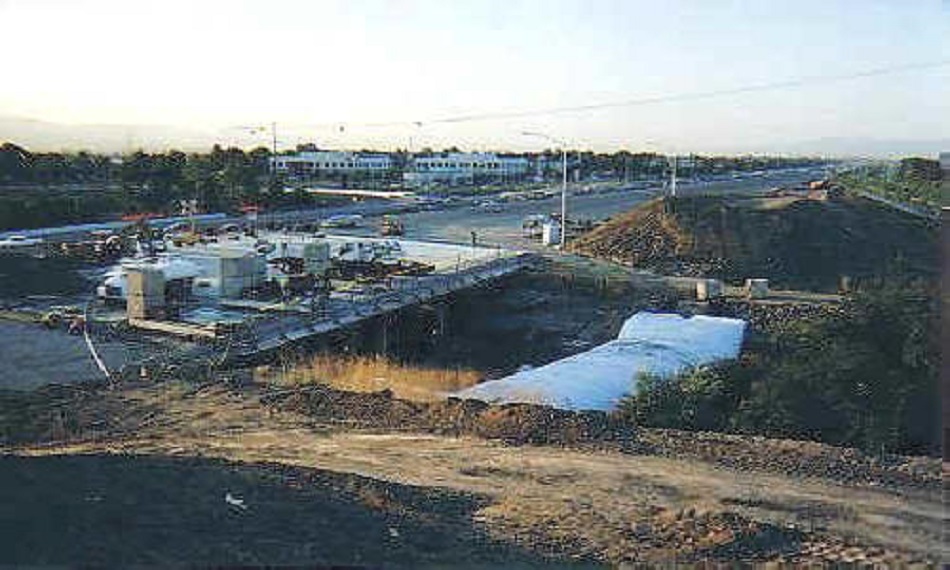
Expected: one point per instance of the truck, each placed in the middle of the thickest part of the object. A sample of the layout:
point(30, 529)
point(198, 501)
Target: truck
point(391, 226)
point(531, 226)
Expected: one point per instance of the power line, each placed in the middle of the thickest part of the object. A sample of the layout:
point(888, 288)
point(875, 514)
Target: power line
point(771, 86)
point(791, 83)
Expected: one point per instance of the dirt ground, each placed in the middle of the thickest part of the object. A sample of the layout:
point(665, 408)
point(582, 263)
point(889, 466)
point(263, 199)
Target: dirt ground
point(140, 475)
point(799, 244)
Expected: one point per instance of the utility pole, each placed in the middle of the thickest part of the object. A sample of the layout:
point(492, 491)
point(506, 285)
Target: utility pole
point(673, 178)
point(563, 196)
point(273, 132)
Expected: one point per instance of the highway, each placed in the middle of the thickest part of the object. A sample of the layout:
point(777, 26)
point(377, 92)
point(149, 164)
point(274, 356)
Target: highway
point(455, 222)
point(504, 228)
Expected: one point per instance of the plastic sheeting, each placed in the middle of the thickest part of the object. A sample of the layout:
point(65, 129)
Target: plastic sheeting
point(660, 344)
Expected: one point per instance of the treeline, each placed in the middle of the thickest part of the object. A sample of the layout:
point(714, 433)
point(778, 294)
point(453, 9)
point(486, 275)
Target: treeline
point(915, 181)
point(625, 164)
point(52, 188)
point(232, 165)
point(865, 378)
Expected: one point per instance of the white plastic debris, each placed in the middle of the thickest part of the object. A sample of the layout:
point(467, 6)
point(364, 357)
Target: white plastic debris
point(235, 501)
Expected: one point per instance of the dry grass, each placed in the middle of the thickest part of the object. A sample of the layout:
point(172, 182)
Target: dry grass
point(375, 374)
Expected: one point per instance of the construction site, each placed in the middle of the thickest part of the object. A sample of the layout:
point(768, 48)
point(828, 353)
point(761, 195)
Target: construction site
point(466, 401)
point(461, 285)
point(239, 298)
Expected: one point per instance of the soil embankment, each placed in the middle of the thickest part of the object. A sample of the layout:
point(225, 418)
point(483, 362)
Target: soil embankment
point(520, 424)
point(796, 243)
point(463, 482)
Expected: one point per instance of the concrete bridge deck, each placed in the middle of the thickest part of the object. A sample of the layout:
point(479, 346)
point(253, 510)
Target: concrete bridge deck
point(272, 331)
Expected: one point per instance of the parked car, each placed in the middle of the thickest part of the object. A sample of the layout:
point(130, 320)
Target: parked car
point(342, 221)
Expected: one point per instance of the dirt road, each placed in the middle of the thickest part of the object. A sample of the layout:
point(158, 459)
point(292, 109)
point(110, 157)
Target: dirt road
point(392, 496)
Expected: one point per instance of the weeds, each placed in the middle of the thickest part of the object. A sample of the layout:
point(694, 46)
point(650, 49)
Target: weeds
point(375, 374)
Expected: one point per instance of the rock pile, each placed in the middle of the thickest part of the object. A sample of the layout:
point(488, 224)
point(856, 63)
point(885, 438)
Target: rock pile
point(774, 317)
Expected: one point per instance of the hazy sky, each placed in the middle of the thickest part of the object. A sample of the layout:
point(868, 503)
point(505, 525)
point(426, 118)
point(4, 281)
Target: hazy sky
point(314, 66)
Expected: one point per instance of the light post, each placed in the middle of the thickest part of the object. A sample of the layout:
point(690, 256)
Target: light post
point(672, 161)
point(673, 176)
point(563, 181)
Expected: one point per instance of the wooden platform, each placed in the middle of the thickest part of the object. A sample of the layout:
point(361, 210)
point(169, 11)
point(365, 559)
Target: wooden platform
point(177, 329)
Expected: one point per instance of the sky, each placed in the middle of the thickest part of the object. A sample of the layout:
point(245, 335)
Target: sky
point(386, 74)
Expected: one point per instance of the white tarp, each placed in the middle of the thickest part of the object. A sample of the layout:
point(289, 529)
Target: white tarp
point(656, 343)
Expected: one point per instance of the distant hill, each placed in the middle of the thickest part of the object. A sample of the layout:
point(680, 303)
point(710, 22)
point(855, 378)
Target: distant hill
point(39, 135)
point(42, 135)
point(797, 243)
point(858, 147)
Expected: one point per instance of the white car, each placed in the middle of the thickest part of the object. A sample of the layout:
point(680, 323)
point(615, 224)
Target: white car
point(342, 221)
point(15, 241)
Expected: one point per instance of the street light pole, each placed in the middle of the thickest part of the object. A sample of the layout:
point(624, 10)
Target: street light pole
point(563, 182)
point(673, 177)
point(672, 161)
point(563, 196)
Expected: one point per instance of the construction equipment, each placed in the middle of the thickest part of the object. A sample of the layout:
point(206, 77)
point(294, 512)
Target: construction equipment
point(58, 315)
point(531, 226)
point(391, 226)
point(186, 238)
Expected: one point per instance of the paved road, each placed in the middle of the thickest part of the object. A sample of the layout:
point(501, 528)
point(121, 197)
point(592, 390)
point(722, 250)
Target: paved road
point(592, 206)
point(504, 228)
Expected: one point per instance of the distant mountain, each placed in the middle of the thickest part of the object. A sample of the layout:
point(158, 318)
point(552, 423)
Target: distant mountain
point(37, 135)
point(860, 147)
point(41, 135)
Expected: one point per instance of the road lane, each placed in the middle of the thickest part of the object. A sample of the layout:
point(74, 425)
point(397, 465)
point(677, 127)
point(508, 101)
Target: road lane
point(504, 227)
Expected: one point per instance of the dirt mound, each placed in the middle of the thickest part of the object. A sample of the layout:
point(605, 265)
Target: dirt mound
point(799, 244)
point(520, 424)
point(654, 535)
point(59, 412)
point(648, 236)
point(516, 424)
point(793, 457)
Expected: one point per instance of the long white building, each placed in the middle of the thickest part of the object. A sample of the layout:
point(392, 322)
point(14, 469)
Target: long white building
point(462, 167)
point(332, 162)
point(446, 168)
